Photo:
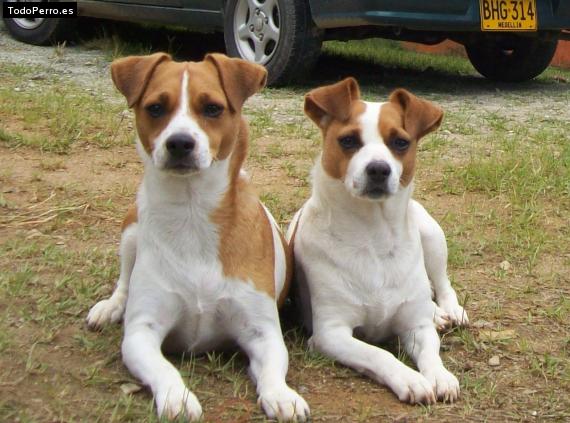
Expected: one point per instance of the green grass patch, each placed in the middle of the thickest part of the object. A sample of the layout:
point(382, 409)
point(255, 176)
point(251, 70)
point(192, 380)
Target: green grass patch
point(53, 115)
point(390, 54)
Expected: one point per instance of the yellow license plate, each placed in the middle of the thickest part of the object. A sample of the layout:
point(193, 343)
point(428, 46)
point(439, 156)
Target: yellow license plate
point(508, 15)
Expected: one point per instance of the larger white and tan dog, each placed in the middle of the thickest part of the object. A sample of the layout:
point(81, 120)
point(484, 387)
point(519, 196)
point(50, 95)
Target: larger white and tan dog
point(365, 252)
point(203, 263)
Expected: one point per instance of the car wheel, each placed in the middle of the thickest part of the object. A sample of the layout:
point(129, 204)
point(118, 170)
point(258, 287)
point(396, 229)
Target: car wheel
point(38, 31)
point(514, 59)
point(279, 34)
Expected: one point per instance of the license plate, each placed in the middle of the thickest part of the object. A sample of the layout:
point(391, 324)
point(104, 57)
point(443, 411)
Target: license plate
point(508, 15)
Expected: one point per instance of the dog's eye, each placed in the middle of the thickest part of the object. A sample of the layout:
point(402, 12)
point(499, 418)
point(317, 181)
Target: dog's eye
point(349, 142)
point(400, 144)
point(213, 110)
point(155, 110)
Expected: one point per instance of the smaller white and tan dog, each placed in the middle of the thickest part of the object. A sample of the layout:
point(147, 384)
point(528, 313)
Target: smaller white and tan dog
point(203, 263)
point(365, 252)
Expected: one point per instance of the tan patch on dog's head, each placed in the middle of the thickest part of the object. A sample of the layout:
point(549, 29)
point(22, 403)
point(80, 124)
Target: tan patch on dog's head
point(410, 118)
point(336, 109)
point(155, 81)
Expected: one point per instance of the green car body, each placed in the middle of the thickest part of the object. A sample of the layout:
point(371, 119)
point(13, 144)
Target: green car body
point(300, 26)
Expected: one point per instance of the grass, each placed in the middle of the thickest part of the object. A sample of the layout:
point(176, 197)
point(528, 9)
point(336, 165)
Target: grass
point(390, 55)
point(55, 115)
point(496, 177)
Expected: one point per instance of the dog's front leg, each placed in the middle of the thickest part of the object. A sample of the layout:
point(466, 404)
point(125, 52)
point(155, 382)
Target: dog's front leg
point(422, 344)
point(111, 310)
point(338, 342)
point(434, 248)
point(143, 356)
point(268, 362)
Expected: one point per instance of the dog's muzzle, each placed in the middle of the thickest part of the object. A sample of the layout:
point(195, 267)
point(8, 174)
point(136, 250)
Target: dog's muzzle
point(180, 158)
point(377, 174)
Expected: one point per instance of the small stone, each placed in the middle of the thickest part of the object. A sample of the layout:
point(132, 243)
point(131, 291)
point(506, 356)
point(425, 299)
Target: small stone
point(130, 388)
point(495, 361)
point(482, 324)
point(33, 233)
point(303, 389)
point(496, 335)
point(505, 265)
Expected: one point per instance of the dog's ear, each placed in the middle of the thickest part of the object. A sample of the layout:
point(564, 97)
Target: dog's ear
point(330, 102)
point(132, 74)
point(420, 116)
point(240, 79)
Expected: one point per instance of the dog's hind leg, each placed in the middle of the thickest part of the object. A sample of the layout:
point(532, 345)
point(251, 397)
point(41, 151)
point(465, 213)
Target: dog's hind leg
point(111, 310)
point(434, 248)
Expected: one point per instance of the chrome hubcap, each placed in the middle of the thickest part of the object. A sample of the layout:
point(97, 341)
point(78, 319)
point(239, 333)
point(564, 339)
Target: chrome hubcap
point(257, 29)
point(26, 23)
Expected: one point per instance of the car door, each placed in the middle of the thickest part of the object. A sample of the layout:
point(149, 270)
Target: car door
point(203, 5)
point(163, 3)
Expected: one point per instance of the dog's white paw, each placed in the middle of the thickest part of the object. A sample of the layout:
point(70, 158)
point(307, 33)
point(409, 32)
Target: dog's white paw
point(284, 405)
point(441, 319)
point(106, 311)
point(445, 385)
point(451, 307)
point(410, 386)
point(175, 401)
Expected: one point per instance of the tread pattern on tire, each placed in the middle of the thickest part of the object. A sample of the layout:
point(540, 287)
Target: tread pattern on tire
point(51, 30)
point(529, 58)
point(298, 49)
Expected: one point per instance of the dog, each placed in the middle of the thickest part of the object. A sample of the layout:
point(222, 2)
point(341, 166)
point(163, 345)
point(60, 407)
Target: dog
point(365, 252)
point(203, 262)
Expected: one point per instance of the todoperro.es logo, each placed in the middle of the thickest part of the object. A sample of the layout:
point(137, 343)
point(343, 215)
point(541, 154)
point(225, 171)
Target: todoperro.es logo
point(66, 9)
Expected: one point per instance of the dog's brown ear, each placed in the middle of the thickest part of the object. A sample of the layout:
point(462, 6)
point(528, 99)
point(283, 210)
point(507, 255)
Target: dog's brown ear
point(131, 74)
point(331, 102)
point(420, 116)
point(240, 79)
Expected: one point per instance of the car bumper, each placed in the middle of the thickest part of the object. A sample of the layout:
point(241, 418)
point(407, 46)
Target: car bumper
point(426, 15)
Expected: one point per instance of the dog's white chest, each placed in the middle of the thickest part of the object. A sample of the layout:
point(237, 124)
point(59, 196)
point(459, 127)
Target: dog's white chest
point(366, 272)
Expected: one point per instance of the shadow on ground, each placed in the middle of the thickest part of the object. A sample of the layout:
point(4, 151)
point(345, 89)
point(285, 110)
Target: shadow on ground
point(184, 45)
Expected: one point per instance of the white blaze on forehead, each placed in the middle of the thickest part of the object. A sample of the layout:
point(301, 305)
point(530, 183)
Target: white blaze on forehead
point(373, 149)
point(370, 123)
point(183, 122)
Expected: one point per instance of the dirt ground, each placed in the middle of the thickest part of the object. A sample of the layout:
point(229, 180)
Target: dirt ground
point(494, 176)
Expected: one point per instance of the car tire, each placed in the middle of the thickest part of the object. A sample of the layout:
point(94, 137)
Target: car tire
point(40, 31)
point(279, 34)
point(515, 59)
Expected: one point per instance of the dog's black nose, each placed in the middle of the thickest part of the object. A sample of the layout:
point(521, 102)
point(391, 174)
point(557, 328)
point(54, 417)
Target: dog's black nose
point(180, 145)
point(378, 171)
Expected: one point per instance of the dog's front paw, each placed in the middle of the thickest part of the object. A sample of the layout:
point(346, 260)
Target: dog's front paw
point(445, 385)
point(441, 319)
point(284, 405)
point(175, 401)
point(410, 386)
point(106, 311)
point(451, 307)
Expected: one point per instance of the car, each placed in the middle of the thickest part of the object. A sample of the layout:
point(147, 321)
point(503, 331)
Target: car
point(505, 40)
